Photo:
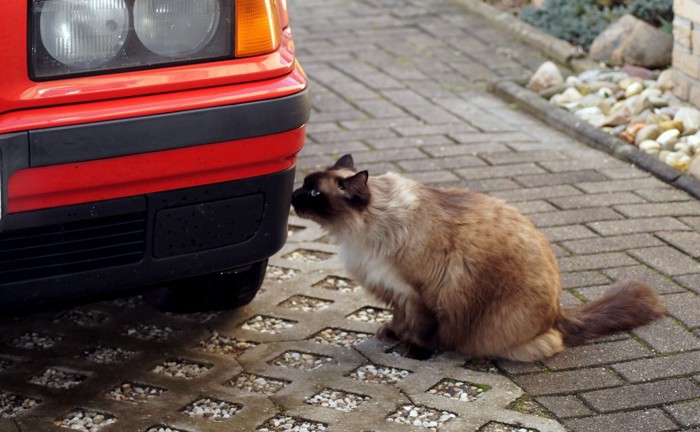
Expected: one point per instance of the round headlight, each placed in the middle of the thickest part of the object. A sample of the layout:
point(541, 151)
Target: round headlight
point(84, 33)
point(175, 28)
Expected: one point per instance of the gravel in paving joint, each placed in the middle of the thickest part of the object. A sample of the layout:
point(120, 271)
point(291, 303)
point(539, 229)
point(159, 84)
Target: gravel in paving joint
point(340, 337)
point(128, 302)
point(58, 379)
point(372, 373)
point(291, 424)
point(300, 360)
point(149, 332)
point(212, 409)
point(160, 428)
point(337, 399)
point(307, 256)
point(83, 318)
point(257, 383)
point(267, 324)
point(85, 420)
point(35, 341)
point(337, 283)
point(107, 355)
point(220, 344)
point(135, 393)
point(459, 390)
point(5, 364)
point(371, 315)
point(421, 416)
point(179, 368)
point(305, 304)
point(13, 404)
point(280, 274)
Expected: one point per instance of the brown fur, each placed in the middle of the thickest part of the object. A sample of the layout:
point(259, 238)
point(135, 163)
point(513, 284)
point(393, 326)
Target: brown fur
point(462, 271)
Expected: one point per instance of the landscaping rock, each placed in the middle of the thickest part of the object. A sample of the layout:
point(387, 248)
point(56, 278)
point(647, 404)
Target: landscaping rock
point(642, 112)
point(690, 117)
point(632, 41)
point(694, 169)
point(546, 75)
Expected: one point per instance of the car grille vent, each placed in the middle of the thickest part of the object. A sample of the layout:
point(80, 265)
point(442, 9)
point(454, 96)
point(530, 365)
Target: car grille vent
point(71, 247)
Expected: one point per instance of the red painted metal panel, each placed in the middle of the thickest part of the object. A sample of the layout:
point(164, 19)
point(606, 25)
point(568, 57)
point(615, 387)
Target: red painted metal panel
point(57, 185)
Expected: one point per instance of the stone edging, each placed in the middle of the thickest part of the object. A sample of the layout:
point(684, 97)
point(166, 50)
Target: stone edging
point(556, 49)
point(594, 137)
point(566, 54)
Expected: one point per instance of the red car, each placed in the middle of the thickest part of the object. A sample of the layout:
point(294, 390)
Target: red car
point(145, 142)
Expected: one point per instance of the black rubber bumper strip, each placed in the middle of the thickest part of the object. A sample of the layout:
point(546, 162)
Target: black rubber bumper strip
point(125, 137)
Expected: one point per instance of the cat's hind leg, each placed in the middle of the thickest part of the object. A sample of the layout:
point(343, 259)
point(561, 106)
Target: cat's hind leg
point(545, 345)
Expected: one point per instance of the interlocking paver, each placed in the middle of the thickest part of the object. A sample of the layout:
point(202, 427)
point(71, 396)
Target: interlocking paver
point(569, 217)
point(687, 414)
point(565, 406)
point(568, 381)
point(597, 354)
point(609, 244)
point(667, 260)
point(642, 225)
point(632, 421)
point(642, 395)
point(400, 84)
point(659, 367)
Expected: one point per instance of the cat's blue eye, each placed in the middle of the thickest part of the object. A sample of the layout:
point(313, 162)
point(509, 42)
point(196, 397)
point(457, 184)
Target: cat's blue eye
point(314, 193)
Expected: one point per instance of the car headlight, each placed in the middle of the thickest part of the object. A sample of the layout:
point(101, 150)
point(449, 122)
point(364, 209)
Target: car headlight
point(84, 34)
point(87, 37)
point(175, 28)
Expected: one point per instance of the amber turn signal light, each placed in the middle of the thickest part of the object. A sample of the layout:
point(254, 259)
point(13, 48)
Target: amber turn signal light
point(257, 27)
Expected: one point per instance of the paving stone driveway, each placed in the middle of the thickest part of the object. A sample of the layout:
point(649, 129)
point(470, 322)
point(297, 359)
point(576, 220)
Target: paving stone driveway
point(401, 85)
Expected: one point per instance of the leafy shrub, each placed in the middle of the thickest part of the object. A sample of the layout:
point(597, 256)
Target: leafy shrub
point(580, 21)
point(656, 12)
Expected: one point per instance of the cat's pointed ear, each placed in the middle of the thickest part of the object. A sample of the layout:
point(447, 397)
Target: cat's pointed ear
point(345, 161)
point(355, 184)
point(356, 190)
point(360, 178)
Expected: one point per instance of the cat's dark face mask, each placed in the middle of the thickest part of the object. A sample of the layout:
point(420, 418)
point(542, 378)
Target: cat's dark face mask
point(309, 201)
point(332, 193)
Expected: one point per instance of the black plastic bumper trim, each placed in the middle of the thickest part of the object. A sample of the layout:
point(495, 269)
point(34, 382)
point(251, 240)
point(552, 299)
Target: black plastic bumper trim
point(168, 131)
point(268, 238)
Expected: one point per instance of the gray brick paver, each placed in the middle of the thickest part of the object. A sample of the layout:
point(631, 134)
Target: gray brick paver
point(642, 395)
point(597, 354)
point(667, 260)
point(401, 85)
point(568, 381)
point(666, 336)
point(633, 421)
point(596, 200)
point(565, 406)
point(610, 244)
point(569, 217)
point(687, 414)
point(639, 371)
point(641, 225)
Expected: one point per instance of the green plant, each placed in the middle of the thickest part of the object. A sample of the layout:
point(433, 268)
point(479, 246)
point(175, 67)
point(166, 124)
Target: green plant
point(654, 12)
point(580, 21)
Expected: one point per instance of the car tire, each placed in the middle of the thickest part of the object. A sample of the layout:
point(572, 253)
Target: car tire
point(224, 290)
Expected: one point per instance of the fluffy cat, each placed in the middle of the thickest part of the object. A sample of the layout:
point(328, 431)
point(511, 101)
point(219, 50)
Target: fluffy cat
point(461, 270)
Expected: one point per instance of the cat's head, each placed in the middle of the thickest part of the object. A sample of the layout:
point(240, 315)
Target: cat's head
point(339, 192)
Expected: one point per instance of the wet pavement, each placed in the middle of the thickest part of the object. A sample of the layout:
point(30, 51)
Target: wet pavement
point(402, 86)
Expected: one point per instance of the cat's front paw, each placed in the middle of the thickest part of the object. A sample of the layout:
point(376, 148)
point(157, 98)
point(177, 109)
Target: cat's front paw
point(416, 352)
point(387, 334)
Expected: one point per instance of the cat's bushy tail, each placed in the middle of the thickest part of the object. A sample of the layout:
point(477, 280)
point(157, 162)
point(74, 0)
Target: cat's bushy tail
point(627, 304)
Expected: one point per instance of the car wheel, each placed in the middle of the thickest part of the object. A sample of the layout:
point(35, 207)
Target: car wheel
point(215, 291)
